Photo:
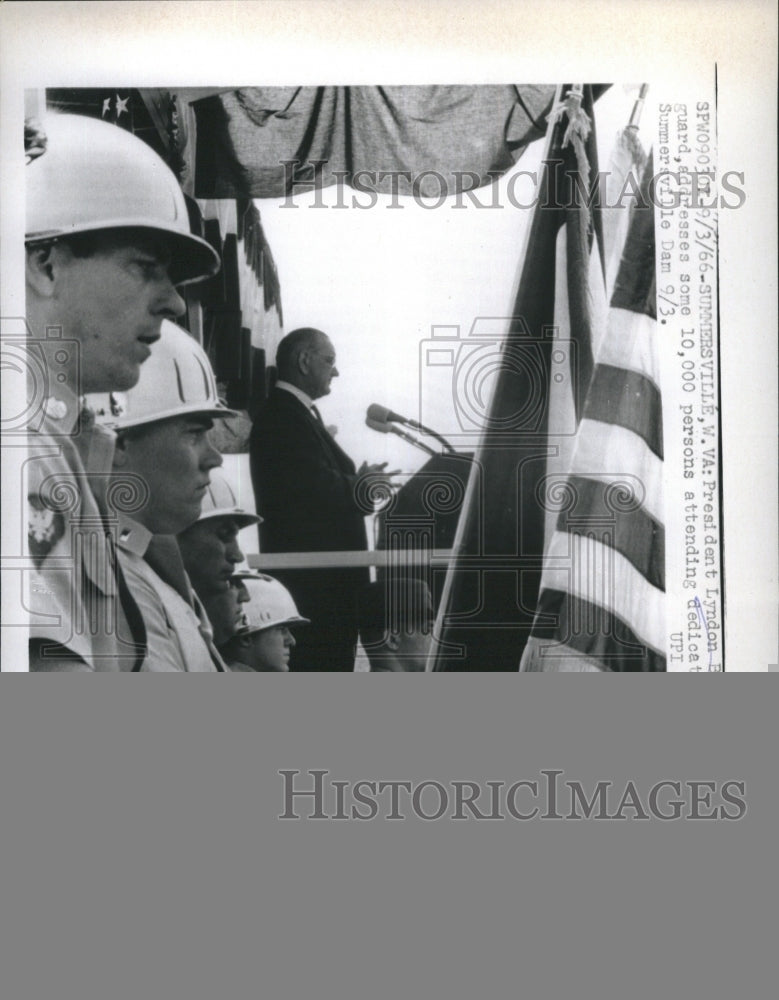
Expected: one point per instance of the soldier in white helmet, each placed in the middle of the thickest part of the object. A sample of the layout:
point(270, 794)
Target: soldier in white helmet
point(162, 464)
point(108, 240)
point(265, 642)
point(211, 553)
point(225, 611)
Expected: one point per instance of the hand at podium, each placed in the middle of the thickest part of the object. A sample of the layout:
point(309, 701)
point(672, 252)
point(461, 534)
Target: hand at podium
point(377, 473)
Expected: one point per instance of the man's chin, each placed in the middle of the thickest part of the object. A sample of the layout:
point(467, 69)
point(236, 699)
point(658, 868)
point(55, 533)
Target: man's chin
point(187, 516)
point(126, 378)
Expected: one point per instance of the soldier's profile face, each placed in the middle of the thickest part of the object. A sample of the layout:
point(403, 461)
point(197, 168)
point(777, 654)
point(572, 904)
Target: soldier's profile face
point(225, 611)
point(211, 552)
point(113, 302)
point(271, 648)
point(174, 457)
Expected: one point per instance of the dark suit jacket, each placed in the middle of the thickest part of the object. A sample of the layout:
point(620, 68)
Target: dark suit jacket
point(304, 488)
point(303, 481)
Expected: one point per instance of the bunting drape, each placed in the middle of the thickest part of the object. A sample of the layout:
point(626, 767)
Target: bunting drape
point(243, 320)
point(268, 142)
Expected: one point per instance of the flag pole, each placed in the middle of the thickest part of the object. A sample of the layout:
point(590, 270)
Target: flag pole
point(435, 647)
point(638, 107)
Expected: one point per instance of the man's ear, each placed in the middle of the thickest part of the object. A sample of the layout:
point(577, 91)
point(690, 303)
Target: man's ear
point(392, 642)
point(39, 269)
point(302, 362)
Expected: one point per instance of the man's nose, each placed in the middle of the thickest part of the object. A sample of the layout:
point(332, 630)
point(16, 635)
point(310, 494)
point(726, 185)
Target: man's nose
point(334, 373)
point(234, 554)
point(170, 305)
point(211, 457)
point(289, 638)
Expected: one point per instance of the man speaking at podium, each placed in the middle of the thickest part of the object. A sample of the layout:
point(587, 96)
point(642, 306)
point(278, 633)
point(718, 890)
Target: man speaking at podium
point(305, 487)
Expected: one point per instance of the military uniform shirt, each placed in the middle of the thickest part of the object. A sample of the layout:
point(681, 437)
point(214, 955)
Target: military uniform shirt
point(80, 611)
point(179, 635)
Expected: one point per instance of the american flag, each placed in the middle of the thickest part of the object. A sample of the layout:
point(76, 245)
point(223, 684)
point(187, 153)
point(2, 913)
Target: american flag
point(559, 559)
point(602, 599)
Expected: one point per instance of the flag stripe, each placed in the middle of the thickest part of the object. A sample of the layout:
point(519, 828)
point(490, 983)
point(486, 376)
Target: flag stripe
point(634, 289)
point(607, 637)
point(611, 512)
point(631, 344)
point(599, 574)
point(627, 158)
point(541, 657)
point(625, 452)
point(630, 400)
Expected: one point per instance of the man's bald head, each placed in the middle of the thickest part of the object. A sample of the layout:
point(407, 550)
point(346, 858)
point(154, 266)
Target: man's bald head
point(306, 359)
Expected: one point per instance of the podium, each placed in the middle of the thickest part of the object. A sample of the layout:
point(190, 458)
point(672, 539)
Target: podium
point(423, 516)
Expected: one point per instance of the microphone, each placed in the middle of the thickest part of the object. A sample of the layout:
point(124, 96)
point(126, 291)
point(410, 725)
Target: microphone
point(384, 427)
point(383, 415)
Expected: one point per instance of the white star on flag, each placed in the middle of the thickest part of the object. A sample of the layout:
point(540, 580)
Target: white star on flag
point(121, 105)
point(106, 107)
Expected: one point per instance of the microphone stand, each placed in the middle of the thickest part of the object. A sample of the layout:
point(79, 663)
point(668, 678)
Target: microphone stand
point(428, 430)
point(412, 440)
point(385, 427)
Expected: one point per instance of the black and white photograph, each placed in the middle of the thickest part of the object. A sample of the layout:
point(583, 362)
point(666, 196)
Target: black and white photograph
point(453, 352)
point(361, 338)
point(504, 508)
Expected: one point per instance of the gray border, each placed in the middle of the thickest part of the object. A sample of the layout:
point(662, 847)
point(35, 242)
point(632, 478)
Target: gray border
point(143, 856)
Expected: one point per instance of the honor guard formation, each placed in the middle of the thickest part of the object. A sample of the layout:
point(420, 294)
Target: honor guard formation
point(132, 530)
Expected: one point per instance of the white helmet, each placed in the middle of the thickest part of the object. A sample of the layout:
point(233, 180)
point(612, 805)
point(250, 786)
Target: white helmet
point(269, 604)
point(220, 501)
point(95, 176)
point(176, 379)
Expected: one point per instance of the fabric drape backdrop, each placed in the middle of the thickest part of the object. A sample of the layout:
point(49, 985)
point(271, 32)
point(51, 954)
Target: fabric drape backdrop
point(434, 140)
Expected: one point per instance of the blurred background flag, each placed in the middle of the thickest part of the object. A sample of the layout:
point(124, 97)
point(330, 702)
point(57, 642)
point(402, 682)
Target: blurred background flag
point(560, 556)
point(540, 385)
point(602, 599)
